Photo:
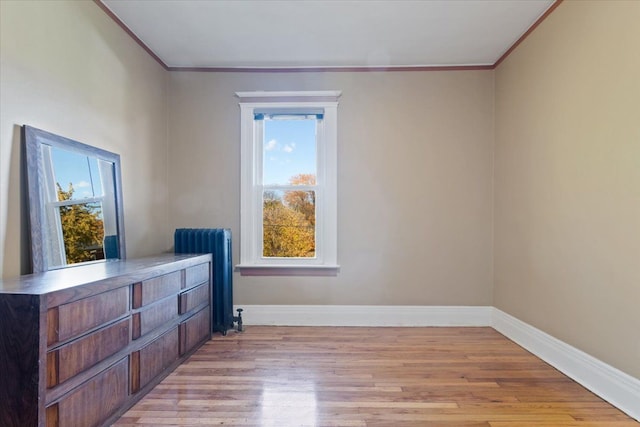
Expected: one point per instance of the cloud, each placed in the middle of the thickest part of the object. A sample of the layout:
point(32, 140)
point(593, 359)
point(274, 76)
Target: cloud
point(288, 148)
point(271, 145)
point(82, 184)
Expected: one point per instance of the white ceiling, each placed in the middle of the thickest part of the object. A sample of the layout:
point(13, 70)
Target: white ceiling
point(328, 33)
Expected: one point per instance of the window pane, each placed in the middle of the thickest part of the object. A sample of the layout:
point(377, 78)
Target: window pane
point(289, 151)
point(289, 224)
point(82, 232)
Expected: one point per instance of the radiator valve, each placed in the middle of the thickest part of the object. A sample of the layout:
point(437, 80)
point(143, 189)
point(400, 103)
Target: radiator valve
point(239, 319)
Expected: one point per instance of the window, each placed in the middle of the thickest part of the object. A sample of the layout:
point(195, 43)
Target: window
point(288, 184)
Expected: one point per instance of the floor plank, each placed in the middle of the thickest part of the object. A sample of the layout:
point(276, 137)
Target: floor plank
point(369, 377)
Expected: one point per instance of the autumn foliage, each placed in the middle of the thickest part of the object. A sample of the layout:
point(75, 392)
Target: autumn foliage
point(82, 229)
point(289, 219)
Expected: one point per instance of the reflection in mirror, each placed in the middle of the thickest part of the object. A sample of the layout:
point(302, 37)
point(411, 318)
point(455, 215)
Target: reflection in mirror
point(80, 216)
point(75, 201)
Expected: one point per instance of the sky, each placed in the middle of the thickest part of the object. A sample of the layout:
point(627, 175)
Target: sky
point(289, 149)
point(81, 171)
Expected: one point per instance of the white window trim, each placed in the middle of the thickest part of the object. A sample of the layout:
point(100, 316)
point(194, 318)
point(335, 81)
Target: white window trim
point(251, 260)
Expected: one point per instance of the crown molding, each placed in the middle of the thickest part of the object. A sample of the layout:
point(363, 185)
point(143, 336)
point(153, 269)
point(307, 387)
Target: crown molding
point(334, 69)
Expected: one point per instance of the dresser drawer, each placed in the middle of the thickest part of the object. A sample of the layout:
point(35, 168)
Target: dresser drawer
point(155, 315)
point(152, 359)
point(157, 288)
point(75, 318)
point(94, 401)
point(194, 330)
point(192, 298)
point(81, 354)
point(196, 275)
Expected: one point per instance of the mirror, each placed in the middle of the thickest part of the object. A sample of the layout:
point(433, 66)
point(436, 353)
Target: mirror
point(75, 201)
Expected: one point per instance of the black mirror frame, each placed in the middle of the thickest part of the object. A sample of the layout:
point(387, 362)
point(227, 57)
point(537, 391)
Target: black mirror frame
point(33, 140)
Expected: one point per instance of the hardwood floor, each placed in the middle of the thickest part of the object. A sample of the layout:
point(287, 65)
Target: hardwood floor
point(391, 377)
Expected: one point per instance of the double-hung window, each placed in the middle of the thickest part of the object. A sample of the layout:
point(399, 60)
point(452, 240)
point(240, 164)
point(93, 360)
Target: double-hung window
point(288, 184)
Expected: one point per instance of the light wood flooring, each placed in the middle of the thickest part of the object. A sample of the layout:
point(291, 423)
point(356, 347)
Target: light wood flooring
point(366, 377)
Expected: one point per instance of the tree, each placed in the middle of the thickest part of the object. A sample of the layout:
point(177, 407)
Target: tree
point(286, 232)
point(82, 228)
point(300, 200)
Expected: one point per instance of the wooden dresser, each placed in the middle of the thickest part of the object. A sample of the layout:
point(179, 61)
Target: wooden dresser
point(80, 345)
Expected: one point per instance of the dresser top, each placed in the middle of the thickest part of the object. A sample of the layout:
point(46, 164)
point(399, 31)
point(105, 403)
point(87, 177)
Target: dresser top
point(108, 274)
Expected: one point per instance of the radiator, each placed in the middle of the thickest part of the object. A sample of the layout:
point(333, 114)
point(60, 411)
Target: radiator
point(216, 241)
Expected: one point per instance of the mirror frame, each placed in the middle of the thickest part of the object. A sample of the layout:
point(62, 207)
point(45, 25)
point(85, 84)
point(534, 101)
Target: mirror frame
point(34, 139)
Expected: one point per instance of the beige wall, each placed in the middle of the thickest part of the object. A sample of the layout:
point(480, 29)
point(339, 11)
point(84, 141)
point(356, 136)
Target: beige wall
point(414, 177)
point(567, 180)
point(69, 69)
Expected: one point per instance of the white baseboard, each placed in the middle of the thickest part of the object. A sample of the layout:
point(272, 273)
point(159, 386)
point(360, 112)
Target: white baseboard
point(362, 315)
point(614, 386)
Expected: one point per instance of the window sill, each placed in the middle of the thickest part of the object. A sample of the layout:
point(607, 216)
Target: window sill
point(287, 270)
